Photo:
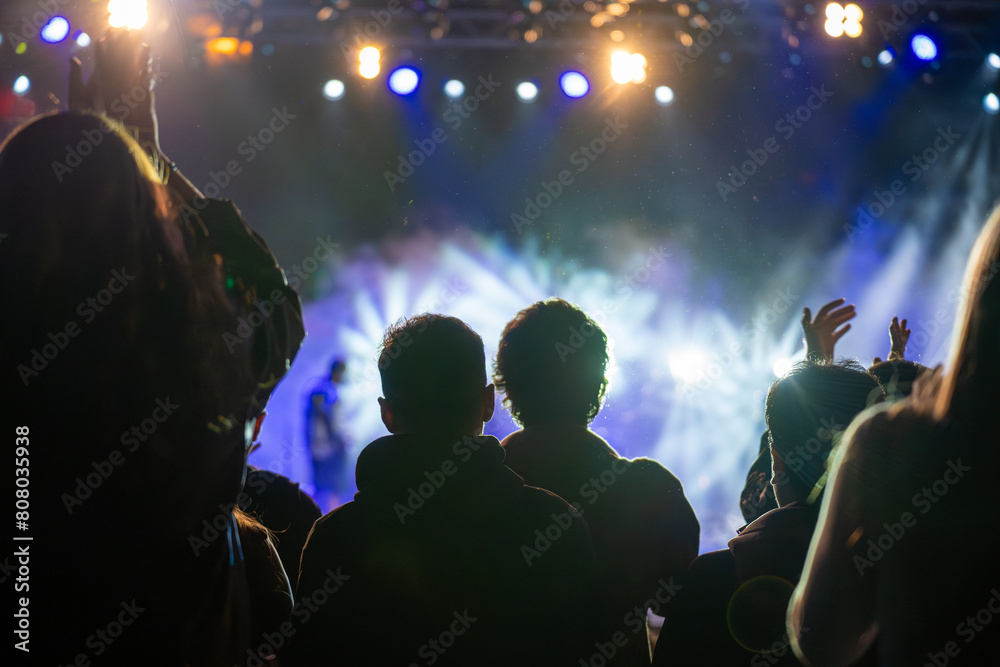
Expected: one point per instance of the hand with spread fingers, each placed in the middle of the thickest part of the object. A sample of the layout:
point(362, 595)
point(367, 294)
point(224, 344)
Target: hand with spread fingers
point(823, 332)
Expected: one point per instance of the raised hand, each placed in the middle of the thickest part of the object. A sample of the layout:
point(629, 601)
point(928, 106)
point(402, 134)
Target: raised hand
point(822, 333)
point(121, 86)
point(898, 336)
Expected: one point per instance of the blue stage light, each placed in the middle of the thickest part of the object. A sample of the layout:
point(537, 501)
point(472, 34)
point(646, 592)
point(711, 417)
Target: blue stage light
point(404, 80)
point(574, 84)
point(923, 47)
point(55, 30)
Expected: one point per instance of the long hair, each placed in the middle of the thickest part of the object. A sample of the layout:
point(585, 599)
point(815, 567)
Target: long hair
point(972, 383)
point(102, 291)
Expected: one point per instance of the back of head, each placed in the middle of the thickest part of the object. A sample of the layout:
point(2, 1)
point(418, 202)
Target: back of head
point(807, 411)
point(897, 377)
point(552, 364)
point(433, 371)
point(972, 386)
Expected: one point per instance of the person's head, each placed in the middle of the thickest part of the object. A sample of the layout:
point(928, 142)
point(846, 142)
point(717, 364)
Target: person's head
point(99, 261)
point(897, 377)
point(433, 371)
point(971, 382)
point(552, 364)
point(337, 369)
point(807, 411)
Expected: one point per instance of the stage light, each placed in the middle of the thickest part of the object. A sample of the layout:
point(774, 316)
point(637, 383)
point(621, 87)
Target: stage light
point(454, 88)
point(83, 40)
point(333, 89)
point(852, 28)
point(127, 14)
point(22, 85)
point(853, 13)
point(628, 67)
point(835, 12)
point(688, 367)
point(782, 365)
point(991, 103)
point(923, 47)
point(226, 46)
point(885, 57)
point(834, 28)
point(574, 84)
point(527, 91)
point(55, 30)
point(368, 58)
point(993, 60)
point(404, 81)
point(664, 95)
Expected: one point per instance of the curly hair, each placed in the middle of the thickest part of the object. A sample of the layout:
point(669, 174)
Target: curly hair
point(552, 364)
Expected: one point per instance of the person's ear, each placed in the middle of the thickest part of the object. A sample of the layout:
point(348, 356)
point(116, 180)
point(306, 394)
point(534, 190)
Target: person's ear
point(777, 463)
point(489, 402)
point(388, 417)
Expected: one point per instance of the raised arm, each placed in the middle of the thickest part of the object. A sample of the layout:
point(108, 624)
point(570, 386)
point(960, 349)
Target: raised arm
point(822, 333)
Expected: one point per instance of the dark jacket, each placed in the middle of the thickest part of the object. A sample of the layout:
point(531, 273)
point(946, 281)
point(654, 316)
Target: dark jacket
point(643, 528)
point(444, 557)
point(732, 607)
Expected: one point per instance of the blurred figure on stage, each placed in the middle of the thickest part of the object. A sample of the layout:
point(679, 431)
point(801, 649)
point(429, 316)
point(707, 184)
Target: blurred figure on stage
point(325, 438)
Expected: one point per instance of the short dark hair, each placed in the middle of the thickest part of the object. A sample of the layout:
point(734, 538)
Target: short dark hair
point(552, 364)
point(898, 376)
point(809, 408)
point(432, 368)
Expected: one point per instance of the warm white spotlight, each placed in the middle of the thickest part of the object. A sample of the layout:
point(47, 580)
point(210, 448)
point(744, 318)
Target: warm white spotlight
point(527, 91)
point(835, 12)
point(628, 67)
point(664, 95)
point(333, 89)
point(852, 28)
point(454, 88)
point(368, 58)
point(834, 28)
point(127, 14)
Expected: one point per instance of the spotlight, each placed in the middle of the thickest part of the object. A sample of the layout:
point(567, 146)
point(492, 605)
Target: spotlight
point(664, 95)
point(688, 366)
point(83, 40)
point(993, 60)
point(885, 57)
point(574, 84)
point(404, 80)
point(782, 366)
point(55, 30)
point(991, 103)
point(923, 47)
point(527, 91)
point(127, 14)
point(22, 85)
point(628, 67)
point(333, 89)
point(454, 88)
point(368, 58)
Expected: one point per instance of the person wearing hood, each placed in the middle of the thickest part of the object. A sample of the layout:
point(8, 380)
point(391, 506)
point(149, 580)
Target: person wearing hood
point(731, 609)
point(445, 556)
